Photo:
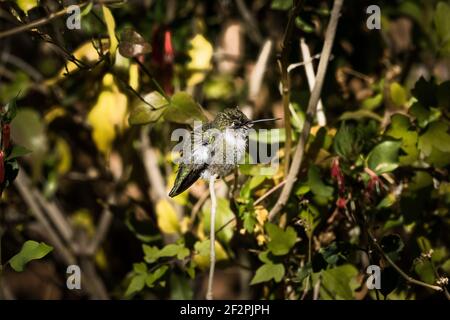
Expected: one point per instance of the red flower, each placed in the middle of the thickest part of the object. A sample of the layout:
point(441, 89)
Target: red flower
point(337, 174)
point(341, 202)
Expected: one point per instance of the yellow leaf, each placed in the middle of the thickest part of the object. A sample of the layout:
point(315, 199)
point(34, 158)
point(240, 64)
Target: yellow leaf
point(64, 156)
point(202, 260)
point(82, 218)
point(86, 53)
point(201, 52)
point(53, 114)
point(134, 76)
point(108, 114)
point(111, 26)
point(167, 217)
point(26, 5)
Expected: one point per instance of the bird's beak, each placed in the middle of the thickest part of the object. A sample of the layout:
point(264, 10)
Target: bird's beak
point(264, 120)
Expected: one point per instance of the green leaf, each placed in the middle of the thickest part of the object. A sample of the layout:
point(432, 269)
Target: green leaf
point(303, 272)
point(424, 115)
point(398, 94)
point(360, 114)
point(17, 151)
point(384, 157)
point(180, 288)
point(281, 4)
point(172, 250)
point(132, 44)
point(347, 142)
point(400, 129)
point(304, 25)
point(31, 250)
point(9, 111)
point(280, 241)
point(336, 252)
point(442, 24)
point(151, 253)
point(435, 137)
point(268, 272)
point(137, 284)
point(140, 267)
point(337, 282)
point(372, 103)
point(183, 109)
point(154, 276)
point(316, 184)
point(144, 113)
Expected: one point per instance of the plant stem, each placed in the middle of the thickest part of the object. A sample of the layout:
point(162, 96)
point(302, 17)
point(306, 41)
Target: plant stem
point(212, 237)
point(397, 268)
point(312, 106)
point(283, 63)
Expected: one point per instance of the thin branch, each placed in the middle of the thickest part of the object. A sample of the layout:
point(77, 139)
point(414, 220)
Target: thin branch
point(251, 25)
point(397, 268)
point(23, 187)
point(268, 193)
point(283, 63)
point(49, 18)
point(311, 77)
point(102, 230)
point(315, 96)
point(212, 238)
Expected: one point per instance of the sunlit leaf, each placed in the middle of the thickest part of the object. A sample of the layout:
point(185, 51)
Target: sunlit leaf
point(200, 53)
point(155, 275)
point(31, 250)
point(281, 241)
point(183, 109)
point(384, 157)
point(398, 94)
point(167, 217)
point(111, 26)
point(144, 113)
point(108, 115)
point(268, 272)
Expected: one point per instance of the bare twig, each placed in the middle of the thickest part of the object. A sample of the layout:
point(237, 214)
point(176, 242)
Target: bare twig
point(251, 25)
point(212, 238)
point(283, 63)
point(102, 230)
point(269, 192)
point(315, 95)
point(49, 18)
point(398, 269)
point(259, 70)
point(23, 187)
point(311, 77)
point(56, 216)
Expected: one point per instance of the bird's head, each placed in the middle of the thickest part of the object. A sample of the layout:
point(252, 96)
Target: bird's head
point(234, 118)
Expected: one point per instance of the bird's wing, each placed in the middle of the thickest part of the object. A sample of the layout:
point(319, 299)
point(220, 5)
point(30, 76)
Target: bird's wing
point(198, 157)
point(186, 176)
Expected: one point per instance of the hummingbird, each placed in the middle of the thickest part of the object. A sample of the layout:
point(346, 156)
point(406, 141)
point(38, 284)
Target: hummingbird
point(214, 148)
